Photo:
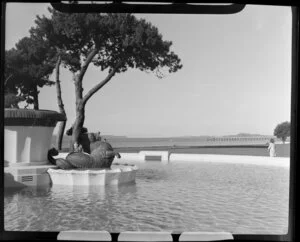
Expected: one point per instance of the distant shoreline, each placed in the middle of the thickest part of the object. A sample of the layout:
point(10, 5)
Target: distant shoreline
point(193, 146)
point(283, 150)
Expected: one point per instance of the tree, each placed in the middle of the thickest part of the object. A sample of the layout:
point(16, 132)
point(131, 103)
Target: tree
point(282, 131)
point(60, 42)
point(27, 69)
point(44, 30)
point(113, 42)
point(11, 97)
point(62, 124)
point(11, 93)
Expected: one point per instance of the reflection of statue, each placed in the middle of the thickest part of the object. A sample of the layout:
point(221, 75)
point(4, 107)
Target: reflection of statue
point(101, 157)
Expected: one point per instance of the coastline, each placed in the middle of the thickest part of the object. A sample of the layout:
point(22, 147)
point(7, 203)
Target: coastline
point(283, 150)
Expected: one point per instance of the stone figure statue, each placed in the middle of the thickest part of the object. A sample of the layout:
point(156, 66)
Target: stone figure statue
point(83, 140)
point(101, 156)
point(86, 140)
point(60, 163)
point(90, 152)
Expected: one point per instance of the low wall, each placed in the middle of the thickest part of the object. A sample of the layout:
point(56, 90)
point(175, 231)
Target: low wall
point(282, 150)
point(174, 157)
point(238, 159)
point(154, 155)
point(131, 156)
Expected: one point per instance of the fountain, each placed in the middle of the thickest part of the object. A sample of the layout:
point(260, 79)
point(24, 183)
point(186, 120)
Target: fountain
point(29, 161)
point(79, 168)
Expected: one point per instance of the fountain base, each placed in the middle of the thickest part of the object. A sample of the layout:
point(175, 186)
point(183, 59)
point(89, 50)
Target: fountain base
point(30, 175)
point(118, 174)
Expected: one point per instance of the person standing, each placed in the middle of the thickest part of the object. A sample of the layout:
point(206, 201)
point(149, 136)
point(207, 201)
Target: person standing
point(271, 148)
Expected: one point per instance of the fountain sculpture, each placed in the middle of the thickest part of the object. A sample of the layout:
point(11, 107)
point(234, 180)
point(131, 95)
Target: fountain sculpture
point(89, 163)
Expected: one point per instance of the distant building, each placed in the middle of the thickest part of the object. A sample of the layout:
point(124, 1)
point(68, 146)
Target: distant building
point(260, 139)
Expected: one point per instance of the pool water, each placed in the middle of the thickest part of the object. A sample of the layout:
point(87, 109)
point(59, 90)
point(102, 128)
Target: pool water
point(174, 197)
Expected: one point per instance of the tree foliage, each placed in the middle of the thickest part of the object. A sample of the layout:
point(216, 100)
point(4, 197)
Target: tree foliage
point(27, 68)
point(119, 40)
point(282, 131)
point(113, 42)
point(12, 100)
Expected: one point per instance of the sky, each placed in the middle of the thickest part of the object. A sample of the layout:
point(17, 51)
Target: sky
point(236, 76)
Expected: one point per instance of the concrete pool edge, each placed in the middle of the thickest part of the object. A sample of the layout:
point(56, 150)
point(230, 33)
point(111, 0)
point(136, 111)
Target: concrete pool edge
point(233, 159)
point(183, 157)
point(37, 175)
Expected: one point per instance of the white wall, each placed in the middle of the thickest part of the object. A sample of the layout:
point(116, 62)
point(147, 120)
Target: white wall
point(27, 144)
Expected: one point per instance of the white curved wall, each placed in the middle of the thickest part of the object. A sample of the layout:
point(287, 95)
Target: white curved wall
point(241, 159)
point(131, 156)
point(238, 159)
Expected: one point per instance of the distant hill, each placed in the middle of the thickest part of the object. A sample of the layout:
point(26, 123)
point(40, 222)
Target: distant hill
point(114, 136)
point(174, 137)
point(178, 138)
point(245, 135)
point(124, 141)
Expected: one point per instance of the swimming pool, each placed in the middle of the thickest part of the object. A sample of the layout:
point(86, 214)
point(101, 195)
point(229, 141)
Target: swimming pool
point(189, 196)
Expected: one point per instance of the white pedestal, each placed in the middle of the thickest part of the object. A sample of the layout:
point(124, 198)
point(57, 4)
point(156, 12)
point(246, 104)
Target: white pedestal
point(27, 176)
point(26, 145)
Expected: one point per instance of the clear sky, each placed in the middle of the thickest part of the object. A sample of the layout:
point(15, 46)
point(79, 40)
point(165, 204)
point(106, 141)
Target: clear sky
point(236, 76)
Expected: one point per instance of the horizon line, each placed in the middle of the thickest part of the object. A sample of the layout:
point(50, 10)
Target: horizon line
point(184, 136)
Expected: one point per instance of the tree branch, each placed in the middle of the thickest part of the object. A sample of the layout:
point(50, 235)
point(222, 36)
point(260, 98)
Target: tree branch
point(79, 77)
point(86, 63)
point(8, 79)
point(96, 88)
point(58, 87)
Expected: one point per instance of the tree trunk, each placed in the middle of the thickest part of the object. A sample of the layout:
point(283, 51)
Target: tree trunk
point(78, 124)
point(60, 134)
point(62, 125)
point(35, 98)
point(81, 101)
point(80, 104)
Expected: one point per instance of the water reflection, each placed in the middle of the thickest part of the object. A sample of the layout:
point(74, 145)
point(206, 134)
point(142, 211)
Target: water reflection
point(10, 179)
point(188, 196)
point(127, 189)
point(28, 192)
point(81, 193)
